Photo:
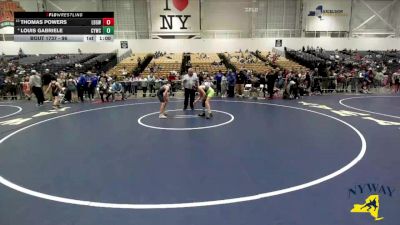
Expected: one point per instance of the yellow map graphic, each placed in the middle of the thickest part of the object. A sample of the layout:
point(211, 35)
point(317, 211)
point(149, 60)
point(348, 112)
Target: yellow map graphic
point(371, 206)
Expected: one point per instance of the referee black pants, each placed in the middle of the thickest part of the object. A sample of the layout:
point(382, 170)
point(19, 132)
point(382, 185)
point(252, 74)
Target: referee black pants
point(38, 94)
point(189, 95)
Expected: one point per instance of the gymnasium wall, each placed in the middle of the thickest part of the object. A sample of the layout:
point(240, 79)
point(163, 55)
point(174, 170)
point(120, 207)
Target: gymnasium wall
point(201, 45)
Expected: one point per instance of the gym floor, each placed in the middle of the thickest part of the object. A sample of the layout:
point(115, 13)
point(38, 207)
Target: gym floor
point(255, 162)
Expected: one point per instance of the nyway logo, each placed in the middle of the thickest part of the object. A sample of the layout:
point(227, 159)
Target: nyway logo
point(369, 201)
point(320, 11)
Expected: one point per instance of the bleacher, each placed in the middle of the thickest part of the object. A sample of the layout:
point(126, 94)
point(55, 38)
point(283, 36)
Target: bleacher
point(66, 61)
point(163, 65)
point(245, 60)
point(332, 55)
point(287, 64)
point(33, 59)
point(57, 62)
point(97, 59)
point(207, 62)
point(7, 58)
point(130, 64)
point(304, 58)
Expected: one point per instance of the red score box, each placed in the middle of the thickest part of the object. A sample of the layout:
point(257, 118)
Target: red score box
point(108, 21)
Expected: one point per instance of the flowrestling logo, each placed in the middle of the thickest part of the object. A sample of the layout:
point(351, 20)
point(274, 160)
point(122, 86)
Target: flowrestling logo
point(7, 9)
point(370, 198)
point(320, 12)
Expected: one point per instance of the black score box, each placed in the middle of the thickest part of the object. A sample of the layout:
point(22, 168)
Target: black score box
point(59, 22)
point(63, 38)
point(29, 30)
point(18, 15)
point(48, 38)
point(98, 38)
point(104, 38)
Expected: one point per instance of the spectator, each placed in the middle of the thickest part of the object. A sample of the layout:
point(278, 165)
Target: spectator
point(201, 77)
point(1, 83)
point(104, 89)
point(171, 79)
point(127, 84)
point(396, 77)
point(143, 84)
point(218, 79)
point(82, 86)
point(151, 79)
point(46, 79)
point(26, 88)
point(20, 52)
point(316, 87)
point(124, 71)
point(12, 86)
point(71, 85)
point(224, 86)
point(116, 88)
point(135, 84)
point(92, 85)
point(240, 81)
point(158, 83)
point(307, 83)
point(293, 88)
point(271, 79)
point(231, 79)
point(263, 82)
point(255, 86)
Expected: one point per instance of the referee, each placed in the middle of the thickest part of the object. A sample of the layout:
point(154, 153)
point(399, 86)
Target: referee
point(190, 82)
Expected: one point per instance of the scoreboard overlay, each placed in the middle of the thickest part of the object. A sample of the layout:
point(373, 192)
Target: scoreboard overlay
point(64, 26)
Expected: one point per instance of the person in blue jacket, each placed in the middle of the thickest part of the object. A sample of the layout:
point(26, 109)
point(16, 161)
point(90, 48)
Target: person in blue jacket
point(218, 79)
point(81, 85)
point(231, 79)
point(92, 85)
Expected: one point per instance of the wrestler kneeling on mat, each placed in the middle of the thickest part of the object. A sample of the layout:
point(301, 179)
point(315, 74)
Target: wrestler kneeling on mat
point(206, 92)
point(162, 95)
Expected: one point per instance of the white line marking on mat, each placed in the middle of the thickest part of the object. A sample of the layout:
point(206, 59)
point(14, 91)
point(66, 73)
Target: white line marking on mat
point(14, 106)
point(363, 110)
point(189, 204)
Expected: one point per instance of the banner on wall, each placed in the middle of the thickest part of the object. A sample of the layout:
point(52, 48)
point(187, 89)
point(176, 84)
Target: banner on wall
point(174, 17)
point(327, 15)
point(278, 43)
point(7, 9)
point(124, 44)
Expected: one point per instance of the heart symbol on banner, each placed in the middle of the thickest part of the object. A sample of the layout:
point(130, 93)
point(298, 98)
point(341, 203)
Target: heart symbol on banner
point(180, 4)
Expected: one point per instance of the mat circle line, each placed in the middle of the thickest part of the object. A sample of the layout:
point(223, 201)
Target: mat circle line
point(12, 114)
point(187, 204)
point(184, 128)
point(363, 110)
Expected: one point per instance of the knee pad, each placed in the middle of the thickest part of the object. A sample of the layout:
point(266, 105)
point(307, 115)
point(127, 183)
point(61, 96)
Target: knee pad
point(204, 103)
